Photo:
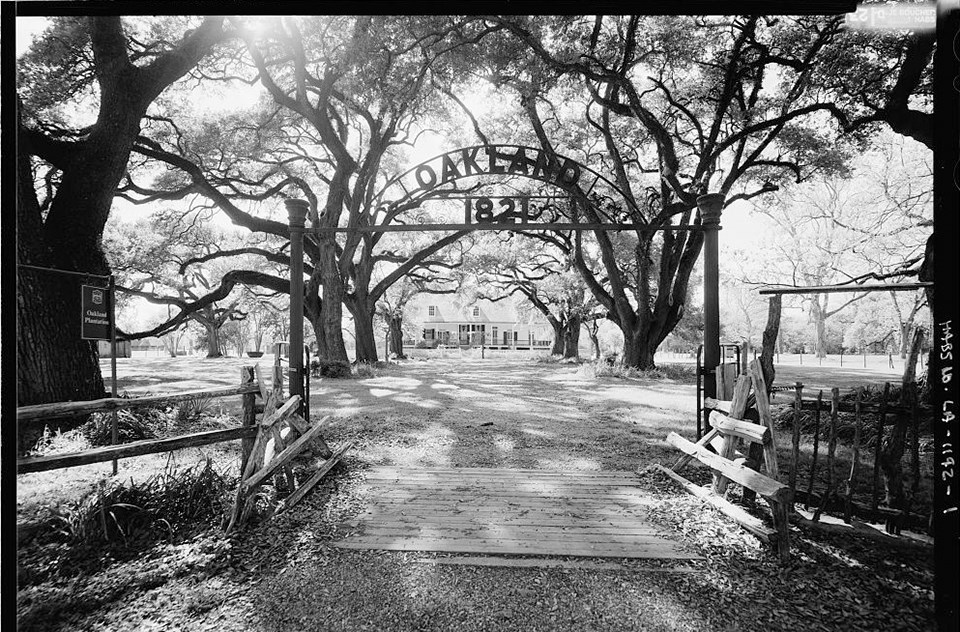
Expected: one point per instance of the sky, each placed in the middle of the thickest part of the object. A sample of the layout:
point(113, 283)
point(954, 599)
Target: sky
point(26, 29)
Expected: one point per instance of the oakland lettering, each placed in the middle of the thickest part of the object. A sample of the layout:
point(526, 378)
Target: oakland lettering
point(494, 160)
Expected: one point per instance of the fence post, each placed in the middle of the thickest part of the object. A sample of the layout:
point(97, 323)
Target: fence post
point(248, 416)
point(881, 419)
point(794, 465)
point(816, 447)
point(848, 506)
point(277, 386)
point(915, 449)
point(831, 450)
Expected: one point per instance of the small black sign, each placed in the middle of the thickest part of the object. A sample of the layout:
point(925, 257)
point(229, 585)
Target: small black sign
point(95, 316)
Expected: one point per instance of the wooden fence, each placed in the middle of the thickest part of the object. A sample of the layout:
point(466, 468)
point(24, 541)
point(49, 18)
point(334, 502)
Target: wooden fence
point(248, 389)
point(718, 449)
point(729, 429)
point(266, 447)
point(889, 422)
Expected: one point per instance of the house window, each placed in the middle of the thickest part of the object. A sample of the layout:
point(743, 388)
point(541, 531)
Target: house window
point(476, 311)
point(429, 334)
point(432, 310)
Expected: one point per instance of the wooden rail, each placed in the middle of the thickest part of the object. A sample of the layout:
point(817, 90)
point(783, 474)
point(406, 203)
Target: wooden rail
point(136, 448)
point(246, 432)
point(730, 427)
point(763, 485)
point(68, 409)
point(851, 407)
point(741, 516)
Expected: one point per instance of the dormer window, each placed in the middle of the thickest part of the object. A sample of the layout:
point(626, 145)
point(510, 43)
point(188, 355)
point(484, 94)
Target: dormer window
point(432, 310)
point(476, 311)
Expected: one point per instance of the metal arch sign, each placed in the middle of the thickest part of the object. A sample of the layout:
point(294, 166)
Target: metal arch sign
point(428, 180)
point(434, 179)
point(506, 160)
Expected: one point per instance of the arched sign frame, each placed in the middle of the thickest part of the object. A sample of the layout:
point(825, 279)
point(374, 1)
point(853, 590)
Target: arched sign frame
point(548, 168)
point(424, 182)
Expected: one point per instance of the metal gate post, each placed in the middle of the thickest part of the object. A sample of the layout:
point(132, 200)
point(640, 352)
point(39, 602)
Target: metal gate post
point(297, 213)
point(710, 206)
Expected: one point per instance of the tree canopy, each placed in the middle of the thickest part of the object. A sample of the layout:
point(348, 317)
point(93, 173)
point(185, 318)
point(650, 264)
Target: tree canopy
point(228, 116)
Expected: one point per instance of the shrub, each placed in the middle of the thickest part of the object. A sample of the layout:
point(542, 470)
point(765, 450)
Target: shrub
point(335, 369)
point(427, 344)
point(604, 368)
point(679, 372)
point(364, 370)
point(132, 425)
point(556, 359)
point(190, 410)
point(151, 510)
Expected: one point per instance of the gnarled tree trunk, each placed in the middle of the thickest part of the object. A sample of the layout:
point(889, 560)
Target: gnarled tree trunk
point(365, 342)
point(593, 330)
point(770, 333)
point(557, 347)
point(571, 337)
point(638, 352)
point(330, 343)
point(53, 363)
point(395, 331)
point(214, 346)
point(893, 447)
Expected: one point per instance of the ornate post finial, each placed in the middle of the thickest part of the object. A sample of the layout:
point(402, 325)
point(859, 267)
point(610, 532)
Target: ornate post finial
point(711, 206)
point(297, 212)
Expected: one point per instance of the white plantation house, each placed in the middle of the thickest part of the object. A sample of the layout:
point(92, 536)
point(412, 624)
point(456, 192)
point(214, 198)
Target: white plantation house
point(447, 320)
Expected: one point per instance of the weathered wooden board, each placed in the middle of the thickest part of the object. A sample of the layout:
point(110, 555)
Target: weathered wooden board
point(479, 474)
point(135, 448)
point(763, 485)
point(741, 516)
point(66, 409)
point(481, 518)
point(667, 550)
point(539, 562)
point(526, 512)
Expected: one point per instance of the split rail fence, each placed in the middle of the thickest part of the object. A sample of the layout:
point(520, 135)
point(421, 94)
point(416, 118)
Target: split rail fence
point(267, 446)
point(742, 467)
point(721, 450)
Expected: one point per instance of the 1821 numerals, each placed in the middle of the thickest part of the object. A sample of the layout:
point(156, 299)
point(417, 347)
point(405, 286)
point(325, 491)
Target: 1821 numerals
point(506, 210)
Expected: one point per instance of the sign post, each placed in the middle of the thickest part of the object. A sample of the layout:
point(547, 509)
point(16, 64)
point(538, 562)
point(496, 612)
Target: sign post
point(98, 322)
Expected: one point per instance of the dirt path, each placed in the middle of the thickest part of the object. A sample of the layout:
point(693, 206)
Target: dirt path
point(505, 414)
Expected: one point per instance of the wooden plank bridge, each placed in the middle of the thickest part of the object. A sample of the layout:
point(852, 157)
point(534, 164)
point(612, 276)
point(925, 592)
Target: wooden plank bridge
point(512, 512)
